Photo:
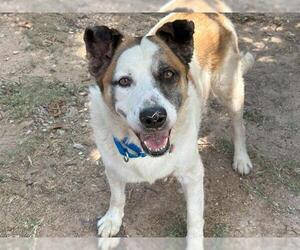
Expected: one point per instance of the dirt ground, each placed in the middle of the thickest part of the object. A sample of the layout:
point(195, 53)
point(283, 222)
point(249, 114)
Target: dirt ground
point(50, 182)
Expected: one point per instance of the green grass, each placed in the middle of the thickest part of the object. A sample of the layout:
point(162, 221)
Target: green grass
point(33, 145)
point(259, 190)
point(254, 116)
point(2, 178)
point(225, 146)
point(270, 175)
point(177, 228)
point(219, 230)
point(29, 226)
point(284, 173)
point(21, 98)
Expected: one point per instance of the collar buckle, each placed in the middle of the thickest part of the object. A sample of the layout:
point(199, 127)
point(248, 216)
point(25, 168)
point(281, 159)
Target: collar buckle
point(128, 150)
point(126, 157)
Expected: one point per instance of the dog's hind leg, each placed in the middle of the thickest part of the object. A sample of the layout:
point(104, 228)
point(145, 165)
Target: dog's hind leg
point(241, 160)
point(109, 225)
point(230, 91)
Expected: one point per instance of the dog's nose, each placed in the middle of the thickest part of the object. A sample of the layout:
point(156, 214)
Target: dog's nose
point(154, 117)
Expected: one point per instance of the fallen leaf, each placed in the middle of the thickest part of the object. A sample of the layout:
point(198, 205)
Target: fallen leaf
point(25, 24)
point(55, 108)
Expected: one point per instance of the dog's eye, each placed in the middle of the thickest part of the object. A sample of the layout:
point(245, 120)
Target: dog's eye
point(168, 74)
point(125, 82)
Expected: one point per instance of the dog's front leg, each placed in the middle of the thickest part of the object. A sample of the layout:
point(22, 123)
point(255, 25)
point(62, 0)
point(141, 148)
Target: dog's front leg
point(109, 225)
point(192, 183)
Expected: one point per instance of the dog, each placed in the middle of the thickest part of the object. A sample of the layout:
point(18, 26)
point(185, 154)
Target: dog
point(150, 96)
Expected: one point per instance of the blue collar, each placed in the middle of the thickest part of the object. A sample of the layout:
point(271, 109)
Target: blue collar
point(128, 150)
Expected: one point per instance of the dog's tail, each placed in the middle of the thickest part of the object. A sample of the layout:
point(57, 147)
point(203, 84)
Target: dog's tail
point(247, 61)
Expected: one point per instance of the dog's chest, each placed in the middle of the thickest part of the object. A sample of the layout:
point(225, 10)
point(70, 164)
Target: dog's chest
point(147, 169)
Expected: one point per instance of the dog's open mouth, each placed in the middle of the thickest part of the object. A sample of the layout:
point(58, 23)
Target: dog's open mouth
point(155, 143)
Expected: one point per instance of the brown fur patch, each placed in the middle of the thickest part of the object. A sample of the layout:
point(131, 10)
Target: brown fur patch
point(211, 37)
point(168, 56)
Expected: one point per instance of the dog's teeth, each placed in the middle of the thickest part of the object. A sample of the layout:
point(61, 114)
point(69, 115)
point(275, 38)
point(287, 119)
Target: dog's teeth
point(153, 149)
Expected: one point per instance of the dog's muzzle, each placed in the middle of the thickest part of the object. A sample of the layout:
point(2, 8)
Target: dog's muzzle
point(155, 138)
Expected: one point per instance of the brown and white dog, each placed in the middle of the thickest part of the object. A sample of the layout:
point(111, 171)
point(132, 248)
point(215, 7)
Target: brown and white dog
point(152, 91)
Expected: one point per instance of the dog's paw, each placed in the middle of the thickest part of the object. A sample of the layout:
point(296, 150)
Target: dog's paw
point(194, 243)
point(108, 243)
point(242, 164)
point(109, 225)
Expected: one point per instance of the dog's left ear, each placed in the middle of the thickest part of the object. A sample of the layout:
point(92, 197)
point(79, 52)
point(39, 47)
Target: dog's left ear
point(178, 35)
point(101, 43)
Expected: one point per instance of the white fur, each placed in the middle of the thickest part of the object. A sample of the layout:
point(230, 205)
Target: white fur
point(139, 62)
point(185, 162)
point(144, 169)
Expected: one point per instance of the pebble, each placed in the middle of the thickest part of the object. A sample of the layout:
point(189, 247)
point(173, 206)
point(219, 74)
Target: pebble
point(28, 132)
point(78, 146)
point(1, 35)
point(83, 93)
point(16, 52)
point(61, 132)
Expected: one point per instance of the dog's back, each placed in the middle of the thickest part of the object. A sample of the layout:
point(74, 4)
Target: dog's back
point(216, 50)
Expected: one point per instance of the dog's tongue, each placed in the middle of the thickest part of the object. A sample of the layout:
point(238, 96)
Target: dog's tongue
point(155, 141)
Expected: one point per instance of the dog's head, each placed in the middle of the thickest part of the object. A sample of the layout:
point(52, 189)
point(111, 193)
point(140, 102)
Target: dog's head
point(144, 80)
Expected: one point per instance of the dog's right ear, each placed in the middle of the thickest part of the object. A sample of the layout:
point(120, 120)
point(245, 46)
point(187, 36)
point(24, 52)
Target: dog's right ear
point(178, 35)
point(101, 43)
